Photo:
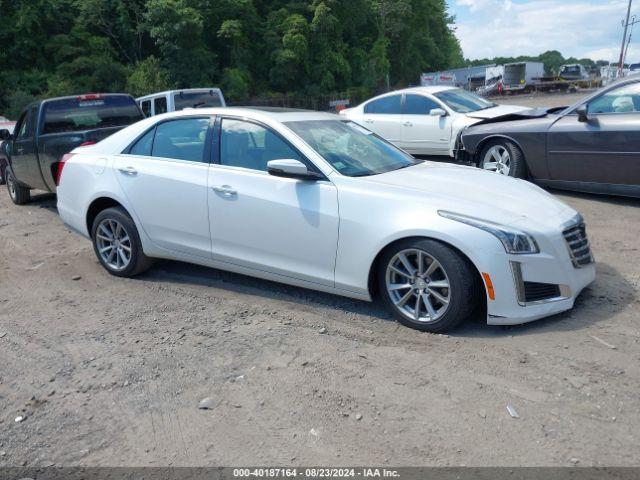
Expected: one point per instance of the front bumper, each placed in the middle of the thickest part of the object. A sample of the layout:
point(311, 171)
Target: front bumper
point(552, 266)
point(519, 313)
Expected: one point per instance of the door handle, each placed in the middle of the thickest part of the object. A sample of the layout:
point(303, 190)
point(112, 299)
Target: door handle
point(408, 124)
point(226, 190)
point(368, 120)
point(128, 171)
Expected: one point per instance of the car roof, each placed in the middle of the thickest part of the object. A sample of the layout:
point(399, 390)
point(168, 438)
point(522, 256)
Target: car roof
point(74, 97)
point(425, 90)
point(428, 89)
point(178, 90)
point(273, 113)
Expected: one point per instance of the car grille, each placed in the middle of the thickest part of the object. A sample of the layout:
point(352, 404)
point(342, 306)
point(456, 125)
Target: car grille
point(534, 291)
point(578, 243)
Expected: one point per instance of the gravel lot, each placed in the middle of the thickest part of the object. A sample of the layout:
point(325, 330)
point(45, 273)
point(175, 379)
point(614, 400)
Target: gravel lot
point(543, 99)
point(109, 371)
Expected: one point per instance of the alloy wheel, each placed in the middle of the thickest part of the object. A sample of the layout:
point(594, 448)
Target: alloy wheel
point(11, 185)
point(114, 244)
point(497, 159)
point(418, 285)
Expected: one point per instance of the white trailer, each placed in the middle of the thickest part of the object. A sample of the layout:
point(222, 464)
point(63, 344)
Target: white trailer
point(438, 78)
point(522, 76)
point(466, 77)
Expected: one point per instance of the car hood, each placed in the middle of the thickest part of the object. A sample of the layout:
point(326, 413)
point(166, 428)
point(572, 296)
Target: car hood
point(478, 193)
point(496, 111)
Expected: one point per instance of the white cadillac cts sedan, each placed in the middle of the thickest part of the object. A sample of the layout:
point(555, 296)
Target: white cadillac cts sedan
point(314, 200)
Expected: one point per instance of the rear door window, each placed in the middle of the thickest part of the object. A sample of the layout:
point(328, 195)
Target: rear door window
point(182, 139)
point(89, 113)
point(390, 105)
point(144, 144)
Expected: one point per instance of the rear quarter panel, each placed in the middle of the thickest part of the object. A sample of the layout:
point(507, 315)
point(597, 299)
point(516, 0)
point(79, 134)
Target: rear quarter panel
point(85, 177)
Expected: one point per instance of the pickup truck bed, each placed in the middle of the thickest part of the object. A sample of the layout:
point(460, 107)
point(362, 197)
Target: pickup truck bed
point(48, 129)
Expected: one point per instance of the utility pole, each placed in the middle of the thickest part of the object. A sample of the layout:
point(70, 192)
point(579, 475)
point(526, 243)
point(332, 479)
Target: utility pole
point(626, 48)
point(624, 41)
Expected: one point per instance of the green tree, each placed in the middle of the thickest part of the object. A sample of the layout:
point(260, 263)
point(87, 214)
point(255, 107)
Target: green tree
point(176, 27)
point(249, 47)
point(148, 76)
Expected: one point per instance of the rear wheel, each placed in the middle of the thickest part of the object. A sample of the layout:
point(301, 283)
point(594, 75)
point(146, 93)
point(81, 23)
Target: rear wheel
point(504, 157)
point(117, 244)
point(18, 194)
point(427, 285)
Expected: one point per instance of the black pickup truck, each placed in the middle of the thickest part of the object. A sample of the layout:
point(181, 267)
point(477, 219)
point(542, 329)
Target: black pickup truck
point(48, 129)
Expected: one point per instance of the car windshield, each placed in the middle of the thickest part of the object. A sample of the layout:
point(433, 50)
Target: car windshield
point(463, 102)
point(351, 149)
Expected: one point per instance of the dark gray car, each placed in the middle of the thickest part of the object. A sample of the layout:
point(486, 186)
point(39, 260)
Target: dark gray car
point(591, 146)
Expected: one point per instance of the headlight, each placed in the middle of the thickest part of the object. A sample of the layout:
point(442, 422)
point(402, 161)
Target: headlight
point(514, 241)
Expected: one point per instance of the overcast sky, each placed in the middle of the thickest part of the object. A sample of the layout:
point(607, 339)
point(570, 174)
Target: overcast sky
point(579, 28)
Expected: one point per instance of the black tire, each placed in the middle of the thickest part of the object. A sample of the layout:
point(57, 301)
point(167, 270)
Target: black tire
point(138, 261)
point(18, 194)
point(463, 293)
point(517, 162)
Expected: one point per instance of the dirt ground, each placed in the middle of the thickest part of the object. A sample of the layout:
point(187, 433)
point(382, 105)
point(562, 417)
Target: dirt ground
point(542, 99)
point(109, 371)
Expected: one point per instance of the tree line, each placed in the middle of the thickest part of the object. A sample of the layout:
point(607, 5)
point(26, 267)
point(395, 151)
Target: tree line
point(247, 47)
point(552, 60)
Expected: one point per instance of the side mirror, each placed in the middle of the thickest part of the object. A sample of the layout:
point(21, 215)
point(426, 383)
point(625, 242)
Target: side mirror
point(583, 114)
point(4, 134)
point(437, 112)
point(290, 168)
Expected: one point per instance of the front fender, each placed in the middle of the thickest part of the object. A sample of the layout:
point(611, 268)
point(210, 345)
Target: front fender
point(360, 244)
point(481, 142)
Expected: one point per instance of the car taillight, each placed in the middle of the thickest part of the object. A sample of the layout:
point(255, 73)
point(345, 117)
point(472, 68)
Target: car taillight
point(87, 143)
point(59, 166)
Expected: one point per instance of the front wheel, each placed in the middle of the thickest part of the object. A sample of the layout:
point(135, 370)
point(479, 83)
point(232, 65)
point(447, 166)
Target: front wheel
point(117, 244)
point(504, 157)
point(427, 285)
point(18, 194)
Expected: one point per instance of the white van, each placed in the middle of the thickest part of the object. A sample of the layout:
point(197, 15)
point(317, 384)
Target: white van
point(173, 100)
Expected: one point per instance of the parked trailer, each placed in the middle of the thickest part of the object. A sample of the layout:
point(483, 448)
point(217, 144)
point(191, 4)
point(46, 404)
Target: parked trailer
point(520, 76)
point(574, 72)
point(467, 77)
point(570, 78)
point(437, 78)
